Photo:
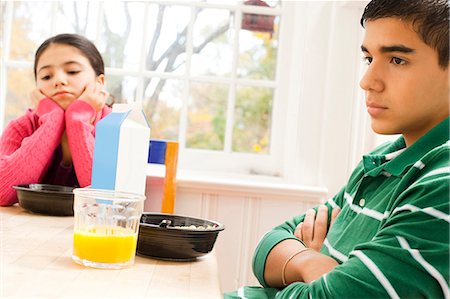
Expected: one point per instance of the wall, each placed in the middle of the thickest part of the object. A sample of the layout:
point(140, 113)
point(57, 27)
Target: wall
point(330, 127)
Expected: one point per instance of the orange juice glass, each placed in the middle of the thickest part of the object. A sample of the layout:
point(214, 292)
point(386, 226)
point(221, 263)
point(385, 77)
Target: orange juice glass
point(106, 227)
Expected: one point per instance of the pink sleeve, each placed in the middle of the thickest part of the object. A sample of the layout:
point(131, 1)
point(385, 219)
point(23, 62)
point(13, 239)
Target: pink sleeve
point(81, 135)
point(26, 147)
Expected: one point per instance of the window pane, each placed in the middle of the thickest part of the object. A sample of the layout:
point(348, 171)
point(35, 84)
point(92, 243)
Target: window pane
point(258, 47)
point(29, 28)
point(212, 43)
point(206, 116)
point(166, 48)
point(121, 89)
point(20, 83)
point(252, 120)
point(122, 34)
point(77, 17)
point(162, 106)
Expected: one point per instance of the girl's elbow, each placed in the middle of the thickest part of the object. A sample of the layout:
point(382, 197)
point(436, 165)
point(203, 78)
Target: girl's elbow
point(6, 202)
point(7, 198)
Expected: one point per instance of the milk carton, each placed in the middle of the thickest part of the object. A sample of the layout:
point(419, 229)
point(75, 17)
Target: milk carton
point(121, 150)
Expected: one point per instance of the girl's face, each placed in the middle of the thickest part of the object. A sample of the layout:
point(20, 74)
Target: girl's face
point(63, 72)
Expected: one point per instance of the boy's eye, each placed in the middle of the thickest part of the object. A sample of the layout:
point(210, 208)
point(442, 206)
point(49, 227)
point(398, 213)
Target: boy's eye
point(45, 77)
point(398, 61)
point(367, 60)
point(73, 72)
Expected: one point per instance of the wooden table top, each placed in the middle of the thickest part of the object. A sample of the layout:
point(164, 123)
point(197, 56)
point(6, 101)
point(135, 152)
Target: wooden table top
point(35, 262)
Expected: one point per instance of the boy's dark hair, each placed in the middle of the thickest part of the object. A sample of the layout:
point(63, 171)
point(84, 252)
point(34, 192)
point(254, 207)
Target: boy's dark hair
point(75, 40)
point(429, 18)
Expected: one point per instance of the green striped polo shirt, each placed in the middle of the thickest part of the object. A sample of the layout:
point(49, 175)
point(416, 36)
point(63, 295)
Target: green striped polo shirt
point(391, 238)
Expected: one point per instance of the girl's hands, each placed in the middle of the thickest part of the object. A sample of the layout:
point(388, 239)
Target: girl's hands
point(95, 95)
point(36, 95)
point(314, 228)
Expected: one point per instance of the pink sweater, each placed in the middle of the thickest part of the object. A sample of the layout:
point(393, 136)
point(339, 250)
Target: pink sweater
point(29, 142)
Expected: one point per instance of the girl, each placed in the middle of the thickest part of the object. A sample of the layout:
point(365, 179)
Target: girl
point(54, 143)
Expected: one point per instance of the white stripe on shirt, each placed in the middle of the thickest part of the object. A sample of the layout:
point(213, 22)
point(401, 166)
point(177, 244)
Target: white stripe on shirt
point(240, 293)
point(443, 170)
point(332, 203)
point(349, 200)
point(365, 211)
point(377, 273)
point(419, 164)
point(430, 211)
point(375, 214)
point(437, 171)
point(326, 282)
point(436, 213)
point(393, 155)
point(430, 269)
point(334, 253)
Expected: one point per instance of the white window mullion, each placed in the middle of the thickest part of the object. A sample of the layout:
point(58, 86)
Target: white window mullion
point(19, 64)
point(100, 17)
point(186, 81)
point(279, 123)
point(260, 10)
point(140, 89)
point(209, 79)
point(257, 83)
point(53, 17)
point(232, 89)
point(215, 5)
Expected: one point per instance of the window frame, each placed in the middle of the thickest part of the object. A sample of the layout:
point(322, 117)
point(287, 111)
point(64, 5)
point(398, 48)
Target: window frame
point(193, 159)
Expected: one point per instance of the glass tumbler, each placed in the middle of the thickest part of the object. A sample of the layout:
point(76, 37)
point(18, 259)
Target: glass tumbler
point(106, 227)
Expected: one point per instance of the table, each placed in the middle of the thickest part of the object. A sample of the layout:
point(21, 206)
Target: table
point(35, 262)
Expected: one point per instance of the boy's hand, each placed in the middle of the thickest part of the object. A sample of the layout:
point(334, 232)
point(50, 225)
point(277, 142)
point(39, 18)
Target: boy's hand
point(36, 95)
point(95, 95)
point(314, 228)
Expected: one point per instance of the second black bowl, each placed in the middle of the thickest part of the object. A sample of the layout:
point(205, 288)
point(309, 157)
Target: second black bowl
point(175, 237)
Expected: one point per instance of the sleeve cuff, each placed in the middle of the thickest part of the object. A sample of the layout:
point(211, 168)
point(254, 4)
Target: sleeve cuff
point(47, 105)
point(82, 111)
point(267, 243)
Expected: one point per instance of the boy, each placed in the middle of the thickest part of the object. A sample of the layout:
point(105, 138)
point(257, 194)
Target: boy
point(386, 234)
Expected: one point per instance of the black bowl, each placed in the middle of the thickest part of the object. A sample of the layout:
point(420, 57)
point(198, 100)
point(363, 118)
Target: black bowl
point(46, 199)
point(172, 237)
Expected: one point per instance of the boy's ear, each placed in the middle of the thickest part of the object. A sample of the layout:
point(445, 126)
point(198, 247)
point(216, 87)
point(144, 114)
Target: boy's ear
point(101, 79)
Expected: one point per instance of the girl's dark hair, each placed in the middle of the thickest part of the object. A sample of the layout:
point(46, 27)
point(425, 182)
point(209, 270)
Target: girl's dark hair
point(75, 40)
point(430, 19)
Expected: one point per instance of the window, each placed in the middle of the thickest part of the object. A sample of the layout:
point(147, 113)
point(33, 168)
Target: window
point(207, 72)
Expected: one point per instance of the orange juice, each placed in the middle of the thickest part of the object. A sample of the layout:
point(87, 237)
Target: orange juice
point(105, 244)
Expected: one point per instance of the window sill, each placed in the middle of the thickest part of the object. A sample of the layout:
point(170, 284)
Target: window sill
point(248, 185)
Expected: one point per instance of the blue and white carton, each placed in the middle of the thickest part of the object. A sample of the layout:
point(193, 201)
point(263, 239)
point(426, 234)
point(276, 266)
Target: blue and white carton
point(121, 150)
